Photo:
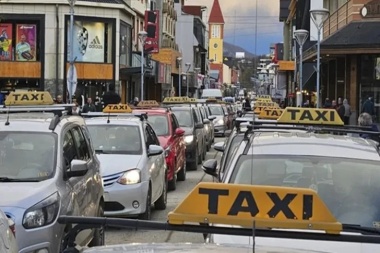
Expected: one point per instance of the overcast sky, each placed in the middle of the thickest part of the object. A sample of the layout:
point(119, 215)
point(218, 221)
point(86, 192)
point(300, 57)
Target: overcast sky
point(240, 19)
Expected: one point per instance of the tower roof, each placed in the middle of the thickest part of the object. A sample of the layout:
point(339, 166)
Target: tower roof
point(216, 15)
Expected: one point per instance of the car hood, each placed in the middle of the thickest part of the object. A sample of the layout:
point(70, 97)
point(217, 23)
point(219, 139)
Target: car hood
point(189, 248)
point(116, 163)
point(163, 141)
point(25, 194)
point(318, 246)
point(188, 130)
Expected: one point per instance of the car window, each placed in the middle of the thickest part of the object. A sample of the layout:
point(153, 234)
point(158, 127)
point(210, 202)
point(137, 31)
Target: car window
point(160, 124)
point(151, 136)
point(69, 150)
point(184, 118)
point(175, 124)
point(81, 144)
point(202, 112)
point(216, 110)
point(116, 139)
point(227, 155)
point(197, 116)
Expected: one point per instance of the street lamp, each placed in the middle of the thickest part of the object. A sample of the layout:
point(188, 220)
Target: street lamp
point(301, 37)
point(188, 65)
point(319, 16)
point(142, 37)
point(71, 91)
point(179, 60)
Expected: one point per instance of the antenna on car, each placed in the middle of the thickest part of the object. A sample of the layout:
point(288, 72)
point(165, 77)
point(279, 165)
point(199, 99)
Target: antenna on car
point(7, 121)
point(253, 236)
point(108, 118)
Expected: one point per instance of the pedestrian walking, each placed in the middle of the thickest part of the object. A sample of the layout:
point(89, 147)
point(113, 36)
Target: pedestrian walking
point(347, 112)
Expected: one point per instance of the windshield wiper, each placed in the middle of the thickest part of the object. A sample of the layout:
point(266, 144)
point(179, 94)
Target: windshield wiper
point(8, 179)
point(360, 229)
point(100, 151)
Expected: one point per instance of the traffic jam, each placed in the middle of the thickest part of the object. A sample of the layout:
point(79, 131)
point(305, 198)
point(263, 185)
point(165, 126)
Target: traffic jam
point(285, 179)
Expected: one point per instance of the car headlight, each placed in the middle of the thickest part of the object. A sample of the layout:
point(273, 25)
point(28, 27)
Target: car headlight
point(130, 177)
point(218, 122)
point(189, 139)
point(42, 213)
point(167, 151)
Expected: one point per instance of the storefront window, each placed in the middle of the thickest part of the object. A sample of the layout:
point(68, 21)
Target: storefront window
point(125, 45)
point(19, 40)
point(92, 41)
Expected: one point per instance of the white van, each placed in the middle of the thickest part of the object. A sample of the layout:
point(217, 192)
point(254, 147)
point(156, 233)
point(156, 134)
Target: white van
point(212, 93)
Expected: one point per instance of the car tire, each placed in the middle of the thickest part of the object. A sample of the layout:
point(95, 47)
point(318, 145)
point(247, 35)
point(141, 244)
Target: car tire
point(194, 165)
point(147, 215)
point(181, 176)
point(172, 185)
point(99, 235)
point(162, 201)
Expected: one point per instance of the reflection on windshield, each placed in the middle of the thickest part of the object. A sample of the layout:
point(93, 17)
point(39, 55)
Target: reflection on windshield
point(216, 110)
point(114, 139)
point(349, 187)
point(160, 124)
point(27, 156)
point(183, 118)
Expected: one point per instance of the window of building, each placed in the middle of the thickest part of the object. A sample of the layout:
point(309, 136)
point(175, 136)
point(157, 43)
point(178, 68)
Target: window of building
point(215, 31)
point(93, 41)
point(125, 44)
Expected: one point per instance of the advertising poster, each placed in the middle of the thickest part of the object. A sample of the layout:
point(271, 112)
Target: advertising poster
point(26, 42)
point(88, 41)
point(6, 42)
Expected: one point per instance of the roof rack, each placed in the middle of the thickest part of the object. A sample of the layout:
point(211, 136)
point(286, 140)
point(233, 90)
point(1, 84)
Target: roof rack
point(143, 115)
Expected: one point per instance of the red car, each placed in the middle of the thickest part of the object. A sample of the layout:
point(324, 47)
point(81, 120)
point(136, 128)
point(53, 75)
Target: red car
point(170, 135)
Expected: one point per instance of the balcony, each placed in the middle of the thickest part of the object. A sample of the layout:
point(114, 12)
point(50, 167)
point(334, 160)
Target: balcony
point(347, 13)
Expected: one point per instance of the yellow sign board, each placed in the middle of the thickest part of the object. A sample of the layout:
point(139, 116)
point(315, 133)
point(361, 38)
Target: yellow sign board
point(117, 108)
point(266, 97)
point(259, 109)
point(298, 115)
point(29, 98)
point(260, 104)
point(286, 65)
point(179, 100)
point(268, 206)
point(148, 103)
point(270, 113)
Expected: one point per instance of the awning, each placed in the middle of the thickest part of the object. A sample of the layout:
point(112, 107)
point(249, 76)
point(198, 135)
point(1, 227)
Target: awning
point(309, 77)
point(358, 37)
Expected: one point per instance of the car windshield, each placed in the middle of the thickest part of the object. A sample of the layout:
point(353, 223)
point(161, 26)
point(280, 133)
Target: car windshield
point(116, 139)
point(216, 110)
point(160, 124)
point(349, 187)
point(184, 118)
point(27, 156)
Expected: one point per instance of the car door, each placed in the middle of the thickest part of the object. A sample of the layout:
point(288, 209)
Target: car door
point(198, 132)
point(178, 143)
point(154, 164)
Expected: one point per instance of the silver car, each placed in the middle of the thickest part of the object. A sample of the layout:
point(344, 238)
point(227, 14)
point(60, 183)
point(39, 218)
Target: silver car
point(48, 168)
point(134, 169)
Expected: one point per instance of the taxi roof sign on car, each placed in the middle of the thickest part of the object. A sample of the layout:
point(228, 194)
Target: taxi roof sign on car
point(270, 113)
point(117, 108)
point(311, 116)
point(148, 104)
point(179, 100)
point(22, 98)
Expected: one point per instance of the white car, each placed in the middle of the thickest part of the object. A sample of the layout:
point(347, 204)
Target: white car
point(8, 242)
point(133, 165)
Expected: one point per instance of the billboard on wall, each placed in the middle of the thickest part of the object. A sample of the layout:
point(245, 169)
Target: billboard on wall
point(152, 27)
point(89, 41)
point(26, 42)
point(6, 35)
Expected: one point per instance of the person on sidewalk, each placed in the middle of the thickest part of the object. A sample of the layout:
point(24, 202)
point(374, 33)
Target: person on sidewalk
point(89, 106)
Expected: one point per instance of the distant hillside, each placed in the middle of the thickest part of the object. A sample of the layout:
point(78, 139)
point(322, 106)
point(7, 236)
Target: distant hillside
point(229, 50)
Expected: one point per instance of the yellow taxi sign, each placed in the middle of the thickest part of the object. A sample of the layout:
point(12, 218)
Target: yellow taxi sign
point(270, 113)
point(148, 103)
point(117, 108)
point(267, 104)
point(29, 98)
point(298, 115)
point(268, 206)
point(264, 97)
point(179, 100)
point(259, 109)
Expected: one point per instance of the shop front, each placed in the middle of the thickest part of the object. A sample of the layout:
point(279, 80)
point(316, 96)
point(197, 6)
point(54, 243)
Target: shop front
point(164, 79)
point(22, 51)
point(95, 57)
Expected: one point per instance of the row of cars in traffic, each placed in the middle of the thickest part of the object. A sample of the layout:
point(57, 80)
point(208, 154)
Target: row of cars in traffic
point(300, 181)
point(118, 162)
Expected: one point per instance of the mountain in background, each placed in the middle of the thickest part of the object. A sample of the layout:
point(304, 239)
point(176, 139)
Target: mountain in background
point(229, 50)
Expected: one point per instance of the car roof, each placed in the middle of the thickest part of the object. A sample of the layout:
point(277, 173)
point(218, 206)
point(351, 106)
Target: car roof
point(152, 110)
point(181, 107)
point(306, 143)
point(115, 120)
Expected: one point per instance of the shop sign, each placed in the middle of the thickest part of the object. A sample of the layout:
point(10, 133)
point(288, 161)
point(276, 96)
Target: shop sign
point(152, 26)
point(286, 65)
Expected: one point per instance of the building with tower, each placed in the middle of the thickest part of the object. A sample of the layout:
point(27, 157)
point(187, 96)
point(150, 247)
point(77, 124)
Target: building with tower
point(216, 34)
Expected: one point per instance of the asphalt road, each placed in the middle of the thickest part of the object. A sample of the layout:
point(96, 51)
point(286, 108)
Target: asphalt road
point(120, 236)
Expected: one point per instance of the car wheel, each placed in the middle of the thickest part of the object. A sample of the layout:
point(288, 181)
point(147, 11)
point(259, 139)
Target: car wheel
point(99, 236)
point(173, 183)
point(194, 165)
point(161, 202)
point(181, 176)
point(148, 212)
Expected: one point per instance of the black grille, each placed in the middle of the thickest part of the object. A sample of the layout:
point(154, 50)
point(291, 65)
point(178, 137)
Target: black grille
point(113, 206)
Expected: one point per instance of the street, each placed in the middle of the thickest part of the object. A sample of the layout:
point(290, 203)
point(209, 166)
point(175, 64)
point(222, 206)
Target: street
point(119, 236)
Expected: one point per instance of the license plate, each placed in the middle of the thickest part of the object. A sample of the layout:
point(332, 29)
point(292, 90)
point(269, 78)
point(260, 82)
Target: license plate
point(106, 196)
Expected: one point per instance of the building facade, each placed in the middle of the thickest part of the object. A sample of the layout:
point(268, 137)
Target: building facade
point(37, 53)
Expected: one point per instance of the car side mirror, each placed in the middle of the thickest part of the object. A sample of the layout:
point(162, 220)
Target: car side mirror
point(209, 167)
point(154, 150)
point(179, 132)
point(219, 146)
point(78, 168)
point(211, 118)
point(206, 121)
point(199, 126)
